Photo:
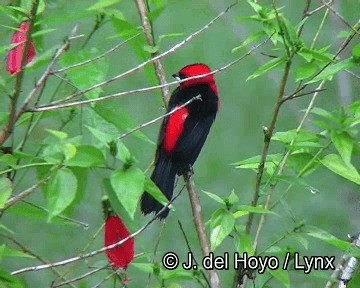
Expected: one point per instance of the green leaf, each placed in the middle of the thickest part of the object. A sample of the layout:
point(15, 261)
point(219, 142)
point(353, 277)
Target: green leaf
point(258, 209)
point(86, 156)
point(60, 192)
point(301, 136)
point(214, 197)
point(42, 32)
point(281, 275)
point(144, 267)
point(233, 198)
point(329, 71)
point(305, 71)
point(69, 150)
point(128, 185)
point(123, 153)
point(170, 35)
point(6, 251)
point(87, 75)
point(58, 134)
point(333, 241)
point(298, 161)
point(151, 188)
point(222, 223)
point(6, 189)
point(311, 54)
point(336, 164)
point(272, 64)
point(9, 281)
point(100, 135)
point(253, 162)
point(325, 114)
point(116, 116)
point(248, 40)
point(344, 144)
point(356, 52)
point(239, 214)
point(244, 244)
point(151, 49)
point(102, 4)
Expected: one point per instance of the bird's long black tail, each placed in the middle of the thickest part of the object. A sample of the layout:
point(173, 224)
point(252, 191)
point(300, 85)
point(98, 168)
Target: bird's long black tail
point(163, 176)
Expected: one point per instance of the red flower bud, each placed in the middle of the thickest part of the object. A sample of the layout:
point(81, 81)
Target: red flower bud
point(14, 58)
point(115, 230)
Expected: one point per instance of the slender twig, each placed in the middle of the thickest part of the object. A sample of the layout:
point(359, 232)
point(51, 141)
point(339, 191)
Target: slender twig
point(97, 57)
point(19, 77)
point(93, 253)
point(337, 14)
point(55, 106)
point(189, 248)
point(159, 118)
point(140, 66)
point(293, 96)
point(79, 277)
point(310, 13)
point(149, 36)
point(200, 226)
point(155, 251)
point(353, 74)
point(268, 132)
point(62, 217)
point(105, 279)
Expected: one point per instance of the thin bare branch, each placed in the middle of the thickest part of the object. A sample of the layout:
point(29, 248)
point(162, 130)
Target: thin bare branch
point(189, 248)
point(337, 14)
point(46, 73)
point(293, 96)
point(200, 226)
point(4, 135)
point(97, 57)
point(54, 105)
point(159, 118)
point(96, 252)
point(310, 13)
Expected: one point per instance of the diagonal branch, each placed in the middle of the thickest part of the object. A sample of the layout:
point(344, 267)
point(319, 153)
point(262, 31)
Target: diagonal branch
point(162, 55)
point(96, 252)
point(55, 105)
point(200, 226)
point(159, 118)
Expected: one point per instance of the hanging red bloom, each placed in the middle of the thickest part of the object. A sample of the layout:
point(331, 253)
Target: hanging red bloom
point(115, 230)
point(14, 58)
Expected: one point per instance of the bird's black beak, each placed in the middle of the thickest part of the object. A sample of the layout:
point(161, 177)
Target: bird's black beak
point(176, 76)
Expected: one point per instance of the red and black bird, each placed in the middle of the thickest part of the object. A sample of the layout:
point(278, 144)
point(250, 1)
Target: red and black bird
point(183, 133)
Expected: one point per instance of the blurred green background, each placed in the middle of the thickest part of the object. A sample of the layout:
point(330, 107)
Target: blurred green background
point(237, 134)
